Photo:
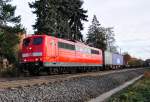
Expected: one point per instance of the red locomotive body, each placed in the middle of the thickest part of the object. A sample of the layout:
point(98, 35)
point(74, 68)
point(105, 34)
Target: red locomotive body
point(48, 52)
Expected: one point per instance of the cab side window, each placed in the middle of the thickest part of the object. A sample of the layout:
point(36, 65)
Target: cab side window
point(95, 52)
point(66, 46)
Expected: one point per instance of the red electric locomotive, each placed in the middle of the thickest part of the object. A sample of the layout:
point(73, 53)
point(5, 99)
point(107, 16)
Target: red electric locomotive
point(47, 53)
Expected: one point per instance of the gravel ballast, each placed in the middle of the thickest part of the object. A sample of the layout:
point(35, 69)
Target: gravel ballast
point(78, 90)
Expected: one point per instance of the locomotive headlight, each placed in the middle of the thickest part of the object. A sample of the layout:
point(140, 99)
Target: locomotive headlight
point(25, 60)
point(36, 59)
point(37, 54)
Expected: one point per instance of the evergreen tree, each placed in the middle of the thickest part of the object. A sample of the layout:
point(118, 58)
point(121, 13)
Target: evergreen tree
point(110, 39)
point(8, 34)
point(8, 42)
point(100, 37)
point(96, 36)
point(60, 18)
point(78, 14)
point(7, 13)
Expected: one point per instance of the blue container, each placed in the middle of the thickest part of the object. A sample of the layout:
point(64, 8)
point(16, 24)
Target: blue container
point(117, 59)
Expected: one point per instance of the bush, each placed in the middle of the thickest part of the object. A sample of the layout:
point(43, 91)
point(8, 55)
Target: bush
point(139, 92)
point(9, 72)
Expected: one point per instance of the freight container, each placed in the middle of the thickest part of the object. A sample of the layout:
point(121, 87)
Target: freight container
point(108, 58)
point(117, 59)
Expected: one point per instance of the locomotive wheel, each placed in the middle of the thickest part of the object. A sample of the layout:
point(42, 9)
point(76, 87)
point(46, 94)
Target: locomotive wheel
point(34, 71)
point(69, 70)
point(49, 71)
point(60, 71)
point(20, 70)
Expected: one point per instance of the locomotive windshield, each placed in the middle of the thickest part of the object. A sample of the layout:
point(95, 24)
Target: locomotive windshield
point(26, 42)
point(37, 41)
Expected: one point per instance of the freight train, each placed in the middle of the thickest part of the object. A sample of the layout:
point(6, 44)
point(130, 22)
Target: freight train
point(51, 54)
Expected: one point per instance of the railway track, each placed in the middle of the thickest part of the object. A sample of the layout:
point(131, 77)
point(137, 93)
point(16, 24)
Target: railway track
point(8, 83)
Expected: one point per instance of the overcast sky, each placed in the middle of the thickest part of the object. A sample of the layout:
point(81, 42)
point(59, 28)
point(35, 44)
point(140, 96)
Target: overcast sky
point(130, 19)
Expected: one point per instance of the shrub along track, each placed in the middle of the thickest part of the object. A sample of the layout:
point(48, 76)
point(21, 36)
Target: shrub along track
point(39, 80)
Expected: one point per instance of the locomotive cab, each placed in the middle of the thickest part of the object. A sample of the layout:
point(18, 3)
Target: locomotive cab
point(32, 49)
point(32, 52)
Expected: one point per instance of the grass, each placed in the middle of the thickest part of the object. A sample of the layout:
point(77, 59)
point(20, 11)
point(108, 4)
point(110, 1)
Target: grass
point(139, 92)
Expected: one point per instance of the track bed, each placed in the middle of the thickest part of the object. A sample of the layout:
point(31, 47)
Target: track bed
point(29, 81)
point(64, 88)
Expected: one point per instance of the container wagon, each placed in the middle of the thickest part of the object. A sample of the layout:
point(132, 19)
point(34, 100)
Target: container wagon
point(112, 60)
